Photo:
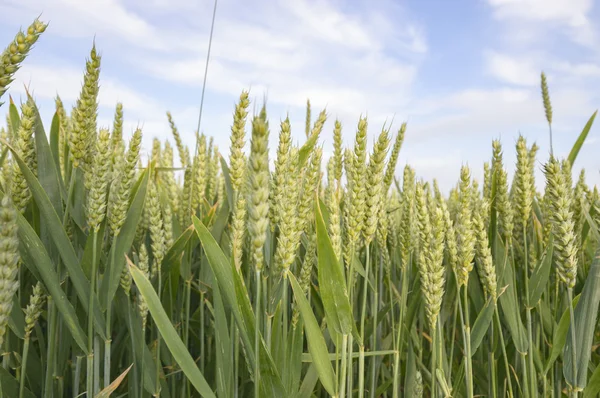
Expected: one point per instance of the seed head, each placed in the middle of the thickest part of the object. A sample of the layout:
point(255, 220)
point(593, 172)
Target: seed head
point(502, 201)
point(563, 226)
point(117, 133)
point(464, 231)
point(483, 254)
point(391, 166)
point(258, 198)
point(407, 223)
point(143, 265)
point(83, 133)
point(337, 151)
point(184, 156)
point(310, 185)
point(523, 183)
point(289, 236)
point(356, 205)
point(546, 99)
point(100, 179)
point(16, 52)
point(281, 177)
point(156, 226)
point(237, 159)
point(9, 260)
point(200, 181)
point(375, 185)
point(34, 308)
point(25, 147)
point(238, 229)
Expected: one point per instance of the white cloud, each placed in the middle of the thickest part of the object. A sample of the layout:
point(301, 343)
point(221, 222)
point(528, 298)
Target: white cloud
point(353, 58)
point(569, 15)
point(77, 19)
point(310, 49)
point(512, 70)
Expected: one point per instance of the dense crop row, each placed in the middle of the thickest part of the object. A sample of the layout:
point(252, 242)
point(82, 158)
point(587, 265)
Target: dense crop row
point(196, 272)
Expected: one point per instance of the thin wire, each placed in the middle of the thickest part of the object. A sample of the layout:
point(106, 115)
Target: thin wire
point(205, 74)
point(212, 26)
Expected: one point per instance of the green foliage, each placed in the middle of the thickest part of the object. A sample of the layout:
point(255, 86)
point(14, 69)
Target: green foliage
point(159, 294)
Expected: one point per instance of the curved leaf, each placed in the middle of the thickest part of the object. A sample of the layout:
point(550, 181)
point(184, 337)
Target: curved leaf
point(31, 243)
point(541, 274)
point(110, 282)
point(106, 392)
point(13, 116)
point(593, 387)
point(508, 300)
point(316, 343)
point(47, 170)
point(582, 136)
point(586, 314)
point(560, 336)
point(236, 297)
point(169, 334)
point(174, 254)
point(481, 325)
point(332, 285)
point(62, 242)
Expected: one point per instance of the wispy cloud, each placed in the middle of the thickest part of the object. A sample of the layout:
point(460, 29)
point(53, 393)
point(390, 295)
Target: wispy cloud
point(354, 58)
point(571, 17)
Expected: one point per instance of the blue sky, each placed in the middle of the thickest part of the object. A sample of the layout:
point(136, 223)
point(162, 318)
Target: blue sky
point(459, 72)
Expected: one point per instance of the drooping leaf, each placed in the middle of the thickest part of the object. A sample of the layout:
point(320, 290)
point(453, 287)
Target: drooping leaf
point(332, 285)
point(130, 316)
point(227, 178)
point(224, 368)
point(110, 282)
point(169, 334)
point(112, 387)
point(174, 254)
point(586, 315)
point(560, 336)
point(481, 325)
point(593, 387)
point(10, 385)
point(581, 139)
point(47, 173)
point(16, 322)
point(13, 116)
point(306, 150)
point(508, 300)
point(541, 274)
point(62, 242)
point(31, 243)
point(236, 298)
point(314, 337)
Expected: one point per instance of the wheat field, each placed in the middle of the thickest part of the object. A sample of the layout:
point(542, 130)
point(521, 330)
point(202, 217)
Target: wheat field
point(201, 272)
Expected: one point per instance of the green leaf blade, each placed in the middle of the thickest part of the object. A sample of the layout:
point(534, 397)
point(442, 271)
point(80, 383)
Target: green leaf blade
point(316, 342)
point(169, 334)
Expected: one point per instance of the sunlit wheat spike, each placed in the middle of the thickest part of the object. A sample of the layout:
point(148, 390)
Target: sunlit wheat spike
point(465, 234)
point(391, 166)
point(547, 107)
point(16, 52)
point(9, 260)
point(563, 226)
point(375, 185)
point(258, 199)
point(100, 173)
point(184, 156)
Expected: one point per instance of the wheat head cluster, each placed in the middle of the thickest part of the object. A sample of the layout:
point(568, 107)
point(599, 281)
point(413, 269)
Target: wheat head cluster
point(223, 273)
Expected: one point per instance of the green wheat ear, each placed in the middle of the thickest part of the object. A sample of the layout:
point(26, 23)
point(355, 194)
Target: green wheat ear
point(258, 200)
point(9, 260)
point(547, 105)
point(16, 52)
